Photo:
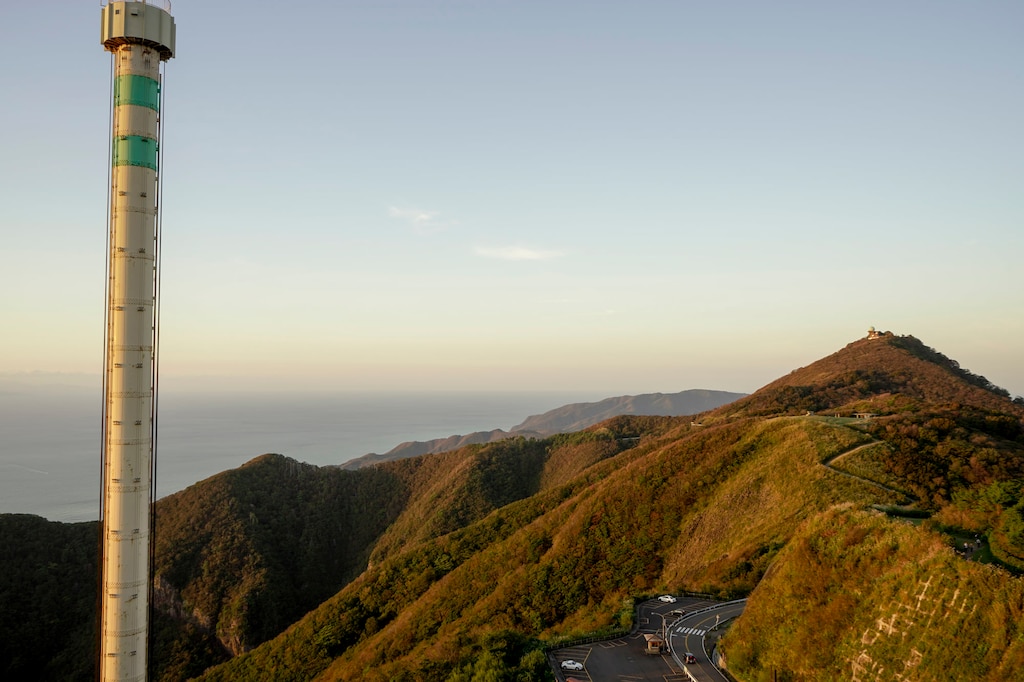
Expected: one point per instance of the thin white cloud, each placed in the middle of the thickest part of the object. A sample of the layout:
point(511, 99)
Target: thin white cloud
point(422, 221)
point(515, 253)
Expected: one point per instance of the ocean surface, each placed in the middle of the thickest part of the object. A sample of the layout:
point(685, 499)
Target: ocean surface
point(50, 436)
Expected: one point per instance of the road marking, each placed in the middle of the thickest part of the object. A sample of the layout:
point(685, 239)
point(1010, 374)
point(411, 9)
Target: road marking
point(691, 631)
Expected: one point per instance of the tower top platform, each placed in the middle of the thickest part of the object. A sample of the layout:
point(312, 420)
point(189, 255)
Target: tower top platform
point(140, 23)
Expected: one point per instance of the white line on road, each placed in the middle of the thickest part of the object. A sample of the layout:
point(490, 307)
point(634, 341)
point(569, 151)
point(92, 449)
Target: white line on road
point(691, 631)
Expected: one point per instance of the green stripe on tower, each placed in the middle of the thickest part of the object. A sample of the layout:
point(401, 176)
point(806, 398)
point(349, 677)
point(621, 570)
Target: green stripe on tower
point(138, 90)
point(135, 150)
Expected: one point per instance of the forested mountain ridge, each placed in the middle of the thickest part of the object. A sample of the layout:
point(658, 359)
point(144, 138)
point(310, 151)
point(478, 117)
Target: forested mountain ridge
point(706, 505)
point(578, 416)
point(465, 563)
point(564, 419)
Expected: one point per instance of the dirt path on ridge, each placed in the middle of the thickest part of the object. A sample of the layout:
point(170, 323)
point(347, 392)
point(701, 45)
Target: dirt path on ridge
point(828, 461)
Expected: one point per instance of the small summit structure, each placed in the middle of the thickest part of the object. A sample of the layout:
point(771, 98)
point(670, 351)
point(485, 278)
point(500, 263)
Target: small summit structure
point(872, 334)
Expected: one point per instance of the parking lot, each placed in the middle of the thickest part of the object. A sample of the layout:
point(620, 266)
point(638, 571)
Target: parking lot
point(623, 658)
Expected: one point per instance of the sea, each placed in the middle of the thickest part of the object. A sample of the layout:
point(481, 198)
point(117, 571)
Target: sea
point(50, 443)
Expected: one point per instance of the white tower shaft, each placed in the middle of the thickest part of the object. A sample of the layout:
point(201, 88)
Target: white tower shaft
point(140, 36)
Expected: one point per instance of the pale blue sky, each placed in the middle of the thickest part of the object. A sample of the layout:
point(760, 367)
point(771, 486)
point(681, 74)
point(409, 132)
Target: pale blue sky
point(610, 196)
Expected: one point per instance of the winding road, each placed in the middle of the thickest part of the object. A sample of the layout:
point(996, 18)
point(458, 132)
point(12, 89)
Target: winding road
point(689, 635)
point(623, 659)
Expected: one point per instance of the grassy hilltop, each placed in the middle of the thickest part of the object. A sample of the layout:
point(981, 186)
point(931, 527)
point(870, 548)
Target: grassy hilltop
point(463, 565)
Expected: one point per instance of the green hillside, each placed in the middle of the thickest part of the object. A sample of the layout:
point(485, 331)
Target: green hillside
point(564, 562)
point(705, 507)
point(912, 610)
point(48, 578)
point(464, 565)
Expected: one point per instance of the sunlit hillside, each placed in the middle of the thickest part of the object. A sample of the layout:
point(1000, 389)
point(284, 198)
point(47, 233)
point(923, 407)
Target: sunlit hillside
point(471, 562)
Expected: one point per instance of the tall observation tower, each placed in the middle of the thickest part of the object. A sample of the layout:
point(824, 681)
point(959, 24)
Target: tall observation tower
point(140, 37)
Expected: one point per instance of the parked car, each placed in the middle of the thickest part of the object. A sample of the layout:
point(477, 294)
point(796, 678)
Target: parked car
point(689, 658)
point(572, 665)
point(667, 598)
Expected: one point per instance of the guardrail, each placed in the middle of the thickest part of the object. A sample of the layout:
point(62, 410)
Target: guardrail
point(587, 640)
point(716, 606)
point(612, 634)
point(675, 656)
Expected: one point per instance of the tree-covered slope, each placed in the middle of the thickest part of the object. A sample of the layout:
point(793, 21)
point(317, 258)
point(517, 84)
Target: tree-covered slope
point(694, 508)
point(705, 507)
point(565, 419)
point(243, 554)
point(856, 595)
point(465, 563)
point(47, 598)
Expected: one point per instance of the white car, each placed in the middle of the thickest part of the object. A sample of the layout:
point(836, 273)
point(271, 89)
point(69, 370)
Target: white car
point(667, 598)
point(572, 665)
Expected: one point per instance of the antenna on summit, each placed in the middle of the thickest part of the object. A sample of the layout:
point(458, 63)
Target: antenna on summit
point(140, 37)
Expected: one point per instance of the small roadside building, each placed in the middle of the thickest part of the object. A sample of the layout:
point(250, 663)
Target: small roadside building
point(655, 644)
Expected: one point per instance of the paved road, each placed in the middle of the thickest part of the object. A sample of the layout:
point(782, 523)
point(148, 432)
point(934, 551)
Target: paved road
point(689, 634)
point(624, 660)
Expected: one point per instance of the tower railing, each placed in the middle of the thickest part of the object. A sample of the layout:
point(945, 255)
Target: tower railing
point(165, 5)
